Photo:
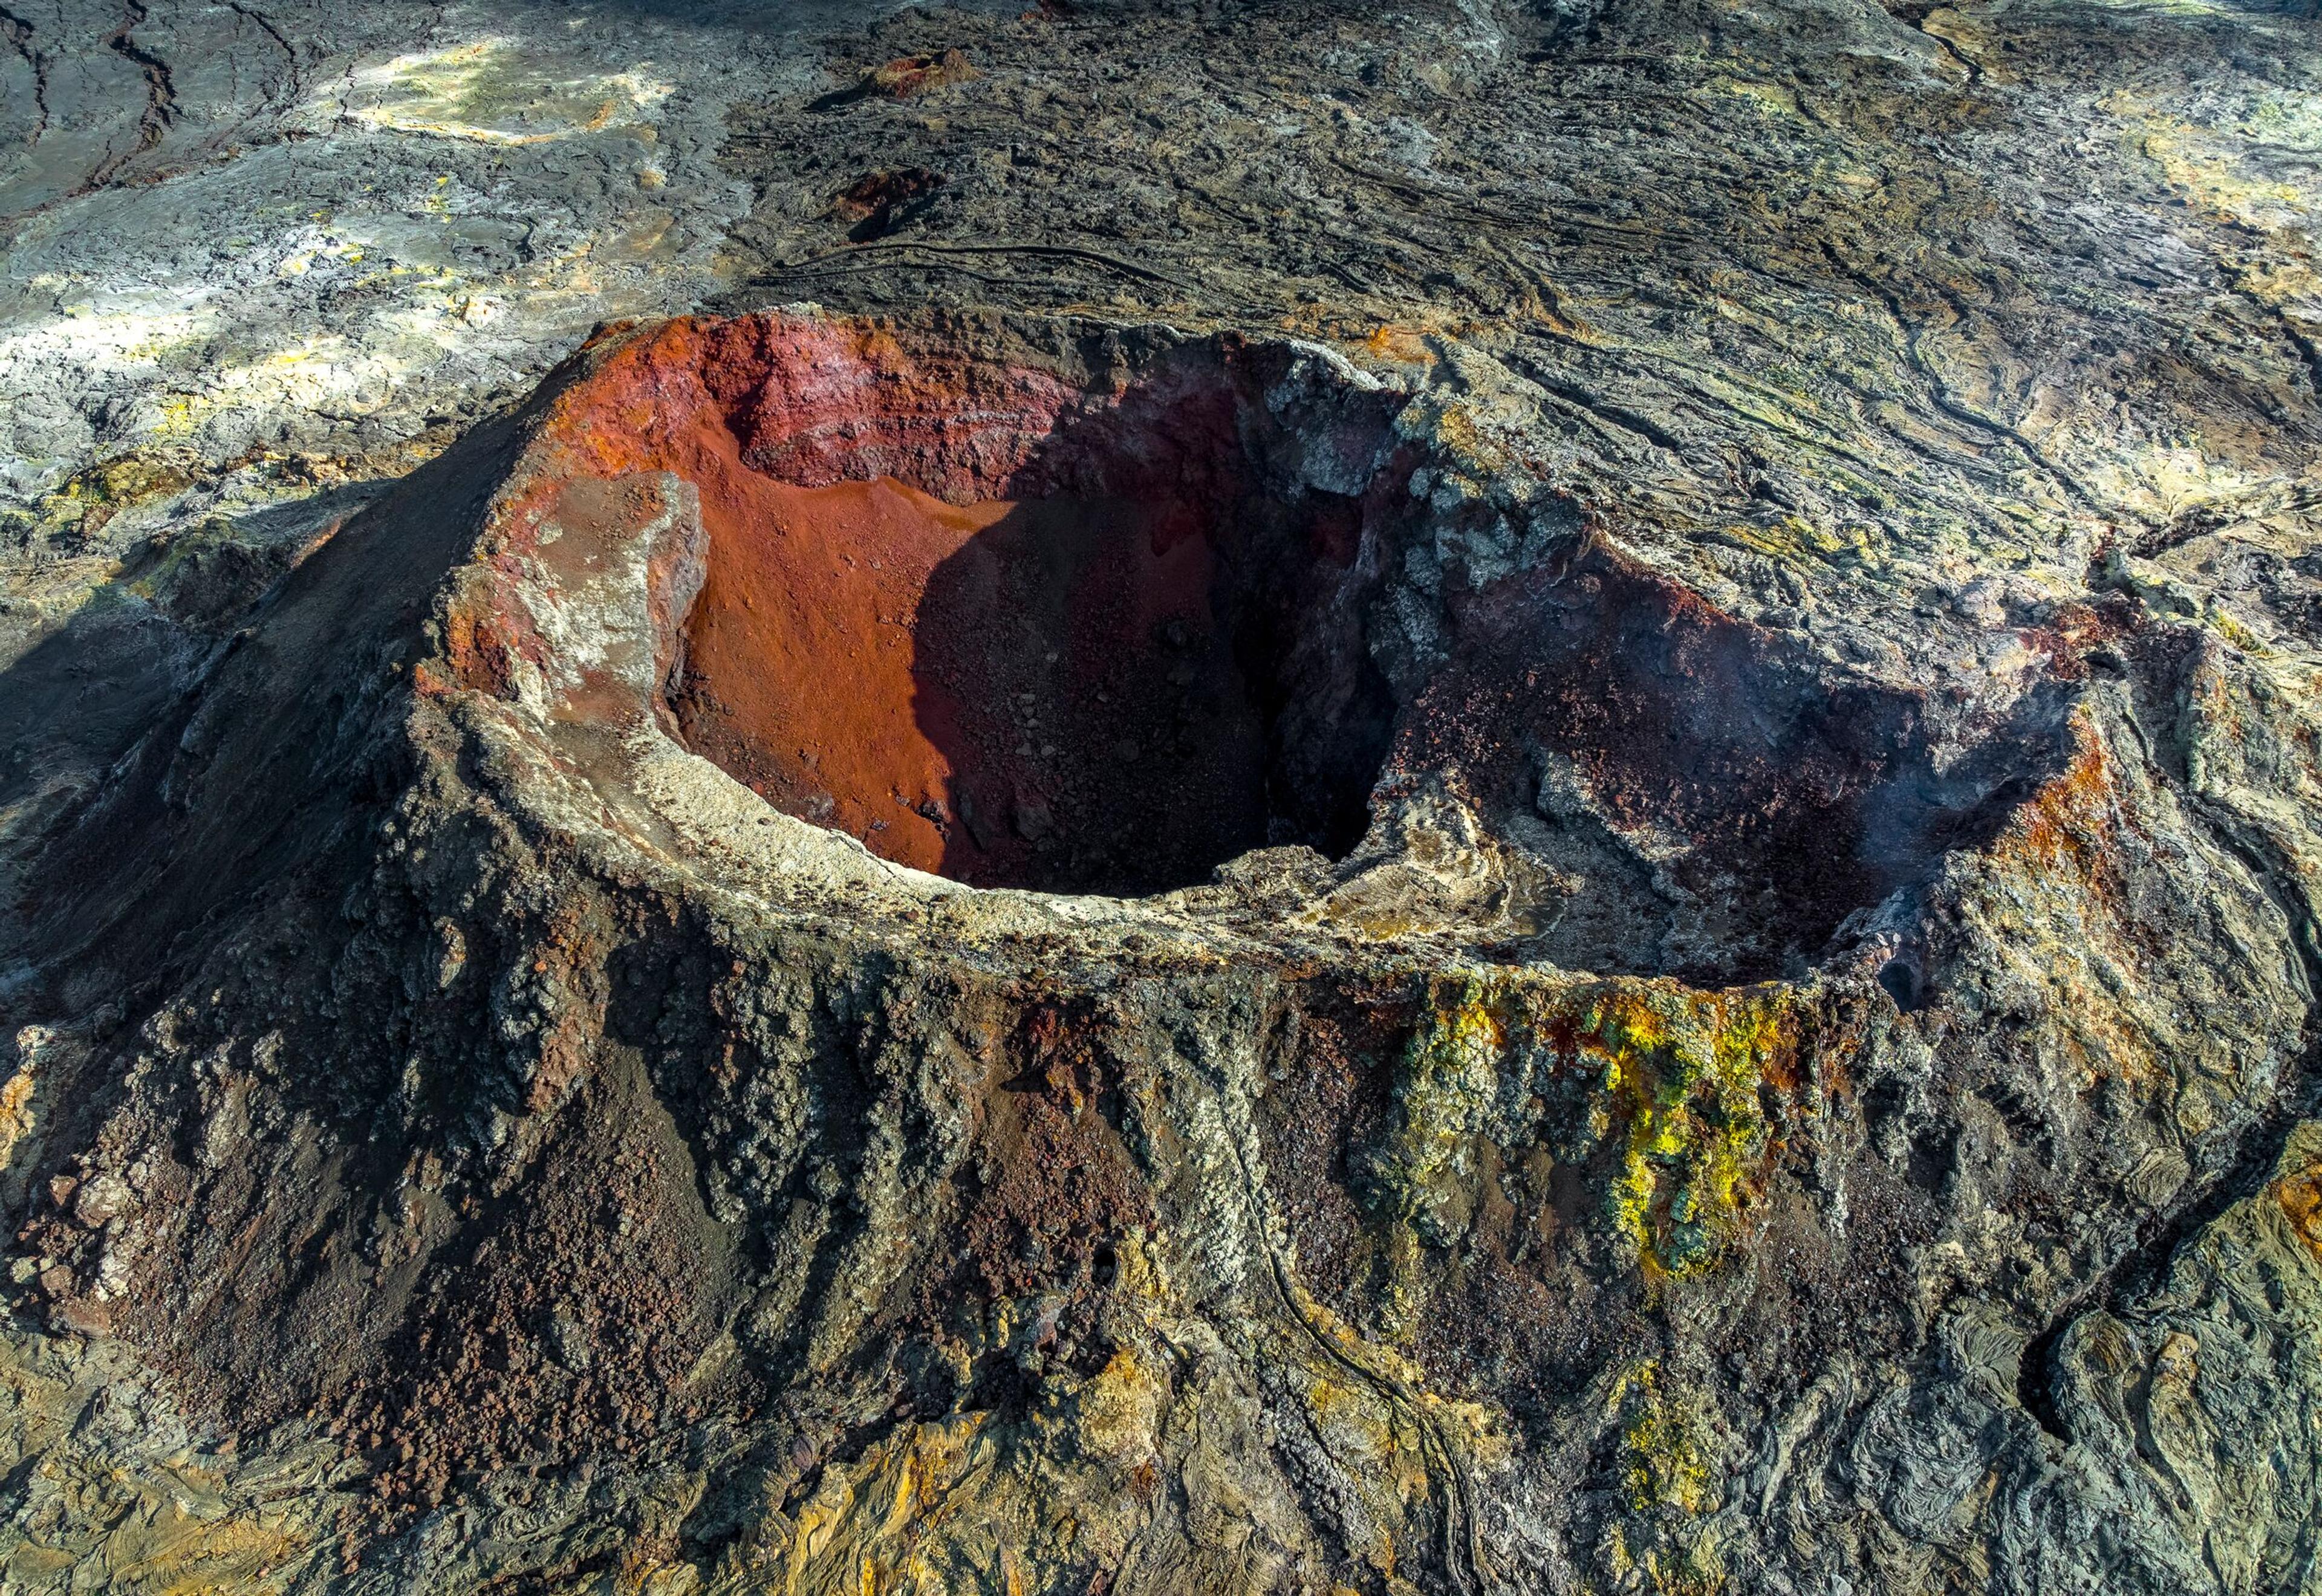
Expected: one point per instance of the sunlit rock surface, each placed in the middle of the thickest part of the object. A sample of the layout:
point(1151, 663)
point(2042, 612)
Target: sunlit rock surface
point(1476, 799)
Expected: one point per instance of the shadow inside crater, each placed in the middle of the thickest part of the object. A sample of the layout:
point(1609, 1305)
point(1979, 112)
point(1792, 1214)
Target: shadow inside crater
point(1712, 800)
point(1136, 670)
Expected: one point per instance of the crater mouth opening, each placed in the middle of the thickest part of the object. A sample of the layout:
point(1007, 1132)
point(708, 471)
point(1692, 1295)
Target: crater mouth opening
point(1077, 609)
point(1125, 656)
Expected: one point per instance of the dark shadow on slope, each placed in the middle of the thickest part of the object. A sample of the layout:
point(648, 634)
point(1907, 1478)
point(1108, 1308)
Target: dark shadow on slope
point(79, 699)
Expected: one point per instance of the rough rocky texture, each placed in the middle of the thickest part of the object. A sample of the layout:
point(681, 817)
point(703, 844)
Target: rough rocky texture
point(1733, 592)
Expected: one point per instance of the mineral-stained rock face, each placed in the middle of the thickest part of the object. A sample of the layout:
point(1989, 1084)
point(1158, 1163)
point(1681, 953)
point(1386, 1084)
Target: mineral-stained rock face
point(1131, 654)
point(1596, 1092)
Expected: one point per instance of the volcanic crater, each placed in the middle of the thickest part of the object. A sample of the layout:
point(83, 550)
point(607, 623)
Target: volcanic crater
point(1107, 650)
point(1216, 654)
point(1089, 610)
point(1099, 611)
point(1648, 920)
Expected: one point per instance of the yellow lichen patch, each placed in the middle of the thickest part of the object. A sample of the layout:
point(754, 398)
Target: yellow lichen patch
point(92, 497)
point(2223, 622)
point(1685, 1066)
point(1670, 1448)
point(1678, 1073)
point(1667, 1444)
point(1794, 540)
point(129, 480)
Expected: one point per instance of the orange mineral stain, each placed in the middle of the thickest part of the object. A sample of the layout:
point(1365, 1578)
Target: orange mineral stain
point(1005, 692)
point(801, 654)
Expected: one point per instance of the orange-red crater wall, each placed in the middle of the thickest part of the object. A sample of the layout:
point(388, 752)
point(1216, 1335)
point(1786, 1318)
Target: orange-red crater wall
point(802, 655)
point(1028, 691)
